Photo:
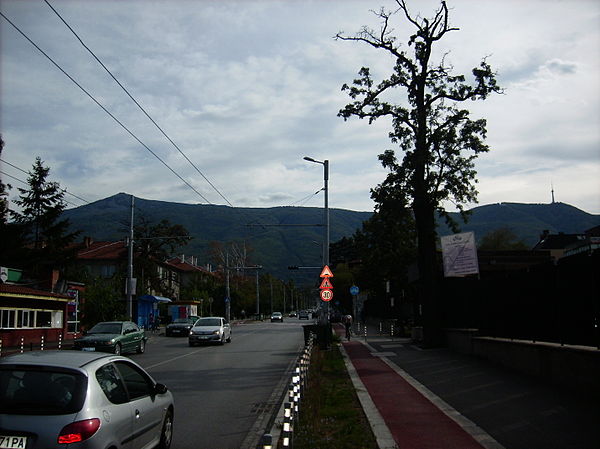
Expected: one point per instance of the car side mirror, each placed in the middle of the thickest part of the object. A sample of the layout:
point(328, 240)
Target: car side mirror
point(160, 388)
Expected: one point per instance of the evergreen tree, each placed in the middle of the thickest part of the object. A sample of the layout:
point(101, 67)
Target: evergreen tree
point(41, 206)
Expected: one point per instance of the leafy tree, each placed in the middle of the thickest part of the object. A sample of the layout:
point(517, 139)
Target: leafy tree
point(433, 133)
point(41, 206)
point(502, 239)
point(103, 301)
point(154, 244)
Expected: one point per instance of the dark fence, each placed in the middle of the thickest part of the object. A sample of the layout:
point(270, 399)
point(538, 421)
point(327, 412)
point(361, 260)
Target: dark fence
point(555, 302)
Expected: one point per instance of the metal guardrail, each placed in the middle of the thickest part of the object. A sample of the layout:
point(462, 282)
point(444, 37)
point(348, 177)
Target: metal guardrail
point(293, 397)
point(22, 347)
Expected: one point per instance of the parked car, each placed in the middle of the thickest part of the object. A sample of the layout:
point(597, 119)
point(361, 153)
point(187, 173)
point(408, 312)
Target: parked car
point(117, 337)
point(214, 329)
point(303, 315)
point(277, 316)
point(52, 399)
point(180, 327)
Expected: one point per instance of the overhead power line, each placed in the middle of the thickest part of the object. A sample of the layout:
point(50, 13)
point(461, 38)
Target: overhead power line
point(136, 102)
point(64, 190)
point(25, 182)
point(103, 108)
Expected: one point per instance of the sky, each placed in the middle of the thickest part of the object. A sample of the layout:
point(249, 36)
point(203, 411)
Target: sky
point(246, 89)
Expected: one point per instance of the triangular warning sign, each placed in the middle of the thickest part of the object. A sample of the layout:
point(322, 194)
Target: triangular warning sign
point(326, 283)
point(326, 273)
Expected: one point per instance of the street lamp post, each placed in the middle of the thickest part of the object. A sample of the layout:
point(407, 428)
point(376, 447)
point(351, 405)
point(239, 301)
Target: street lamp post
point(325, 165)
point(324, 317)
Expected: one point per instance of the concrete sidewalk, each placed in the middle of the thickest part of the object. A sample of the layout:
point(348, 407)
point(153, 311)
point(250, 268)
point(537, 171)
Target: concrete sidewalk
point(436, 399)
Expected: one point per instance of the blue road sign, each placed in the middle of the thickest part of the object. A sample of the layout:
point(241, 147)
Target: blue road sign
point(354, 290)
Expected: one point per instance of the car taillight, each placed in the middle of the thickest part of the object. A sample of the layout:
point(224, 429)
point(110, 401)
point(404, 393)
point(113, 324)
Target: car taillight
point(78, 431)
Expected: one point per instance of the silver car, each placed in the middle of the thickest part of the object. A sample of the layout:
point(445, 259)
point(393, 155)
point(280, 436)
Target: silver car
point(214, 329)
point(51, 399)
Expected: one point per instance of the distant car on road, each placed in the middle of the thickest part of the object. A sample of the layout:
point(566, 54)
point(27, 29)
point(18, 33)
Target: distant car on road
point(117, 337)
point(88, 400)
point(277, 316)
point(293, 314)
point(303, 315)
point(213, 329)
point(180, 327)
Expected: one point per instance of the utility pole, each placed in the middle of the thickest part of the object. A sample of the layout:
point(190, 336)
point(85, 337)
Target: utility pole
point(130, 284)
point(227, 291)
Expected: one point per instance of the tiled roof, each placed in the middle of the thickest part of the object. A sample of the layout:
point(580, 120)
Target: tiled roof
point(103, 251)
point(13, 289)
point(176, 262)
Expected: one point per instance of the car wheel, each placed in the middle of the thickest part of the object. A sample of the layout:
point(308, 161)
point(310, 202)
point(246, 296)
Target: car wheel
point(166, 435)
point(229, 339)
point(191, 344)
point(141, 347)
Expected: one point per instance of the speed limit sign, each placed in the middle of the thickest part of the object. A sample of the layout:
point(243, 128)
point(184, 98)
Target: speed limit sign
point(326, 294)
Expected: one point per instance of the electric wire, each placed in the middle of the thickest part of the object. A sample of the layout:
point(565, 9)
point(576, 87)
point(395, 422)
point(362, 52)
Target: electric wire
point(26, 172)
point(26, 183)
point(103, 108)
point(137, 103)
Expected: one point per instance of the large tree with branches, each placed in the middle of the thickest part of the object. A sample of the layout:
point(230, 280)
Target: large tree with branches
point(438, 139)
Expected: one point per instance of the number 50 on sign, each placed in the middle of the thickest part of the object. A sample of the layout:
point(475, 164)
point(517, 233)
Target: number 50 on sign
point(326, 294)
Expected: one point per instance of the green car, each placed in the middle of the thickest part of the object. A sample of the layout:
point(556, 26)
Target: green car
point(117, 337)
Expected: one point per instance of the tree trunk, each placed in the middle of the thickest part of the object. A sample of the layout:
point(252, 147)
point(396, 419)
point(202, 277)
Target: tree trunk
point(428, 292)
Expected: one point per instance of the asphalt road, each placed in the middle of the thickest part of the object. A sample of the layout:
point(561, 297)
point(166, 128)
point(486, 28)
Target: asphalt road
point(223, 394)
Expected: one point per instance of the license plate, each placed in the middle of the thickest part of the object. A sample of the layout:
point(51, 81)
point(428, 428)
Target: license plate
point(83, 349)
point(12, 442)
point(175, 331)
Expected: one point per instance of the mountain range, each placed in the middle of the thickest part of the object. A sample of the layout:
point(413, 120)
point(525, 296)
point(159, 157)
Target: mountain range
point(279, 237)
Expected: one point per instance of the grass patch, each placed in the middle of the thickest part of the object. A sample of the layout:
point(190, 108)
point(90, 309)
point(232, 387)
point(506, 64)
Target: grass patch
point(331, 415)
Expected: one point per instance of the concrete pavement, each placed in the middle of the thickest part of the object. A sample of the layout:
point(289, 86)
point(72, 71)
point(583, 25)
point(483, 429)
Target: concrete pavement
point(437, 399)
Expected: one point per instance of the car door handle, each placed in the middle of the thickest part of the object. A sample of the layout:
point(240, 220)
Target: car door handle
point(137, 414)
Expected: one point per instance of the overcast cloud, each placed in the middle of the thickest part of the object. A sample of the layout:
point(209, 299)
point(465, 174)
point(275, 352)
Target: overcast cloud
point(246, 89)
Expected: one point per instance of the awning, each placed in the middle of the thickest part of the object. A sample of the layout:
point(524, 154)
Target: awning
point(152, 298)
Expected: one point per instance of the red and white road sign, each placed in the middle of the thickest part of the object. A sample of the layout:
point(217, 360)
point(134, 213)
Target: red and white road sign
point(326, 284)
point(326, 273)
point(326, 294)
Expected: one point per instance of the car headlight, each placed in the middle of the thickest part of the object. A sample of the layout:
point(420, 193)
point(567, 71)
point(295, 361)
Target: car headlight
point(217, 332)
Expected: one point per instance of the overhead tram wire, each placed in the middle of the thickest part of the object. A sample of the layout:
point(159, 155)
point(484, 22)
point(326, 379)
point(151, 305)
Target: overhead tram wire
point(137, 103)
point(64, 190)
point(238, 211)
point(103, 108)
point(26, 183)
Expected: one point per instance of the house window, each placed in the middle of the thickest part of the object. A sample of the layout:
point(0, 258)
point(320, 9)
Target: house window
point(27, 318)
point(7, 318)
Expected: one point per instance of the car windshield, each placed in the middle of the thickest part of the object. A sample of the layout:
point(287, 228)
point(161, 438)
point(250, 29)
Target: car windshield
point(276, 314)
point(106, 328)
point(182, 320)
point(208, 322)
point(41, 392)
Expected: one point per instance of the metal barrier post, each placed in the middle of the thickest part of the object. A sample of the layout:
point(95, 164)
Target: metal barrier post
point(59, 341)
point(42, 344)
point(267, 441)
point(22, 345)
point(287, 425)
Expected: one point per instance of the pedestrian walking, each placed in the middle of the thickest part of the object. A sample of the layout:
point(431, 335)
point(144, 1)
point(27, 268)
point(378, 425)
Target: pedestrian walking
point(347, 320)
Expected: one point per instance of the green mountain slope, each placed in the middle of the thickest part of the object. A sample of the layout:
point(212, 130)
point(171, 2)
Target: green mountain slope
point(527, 221)
point(275, 241)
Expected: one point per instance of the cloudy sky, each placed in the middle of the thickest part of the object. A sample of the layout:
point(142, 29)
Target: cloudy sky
point(247, 88)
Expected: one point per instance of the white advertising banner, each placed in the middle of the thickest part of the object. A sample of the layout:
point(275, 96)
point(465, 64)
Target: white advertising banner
point(460, 254)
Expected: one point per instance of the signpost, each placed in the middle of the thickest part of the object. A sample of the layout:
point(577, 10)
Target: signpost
point(326, 285)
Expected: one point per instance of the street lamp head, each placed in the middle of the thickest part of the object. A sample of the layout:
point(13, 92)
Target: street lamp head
point(310, 159)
